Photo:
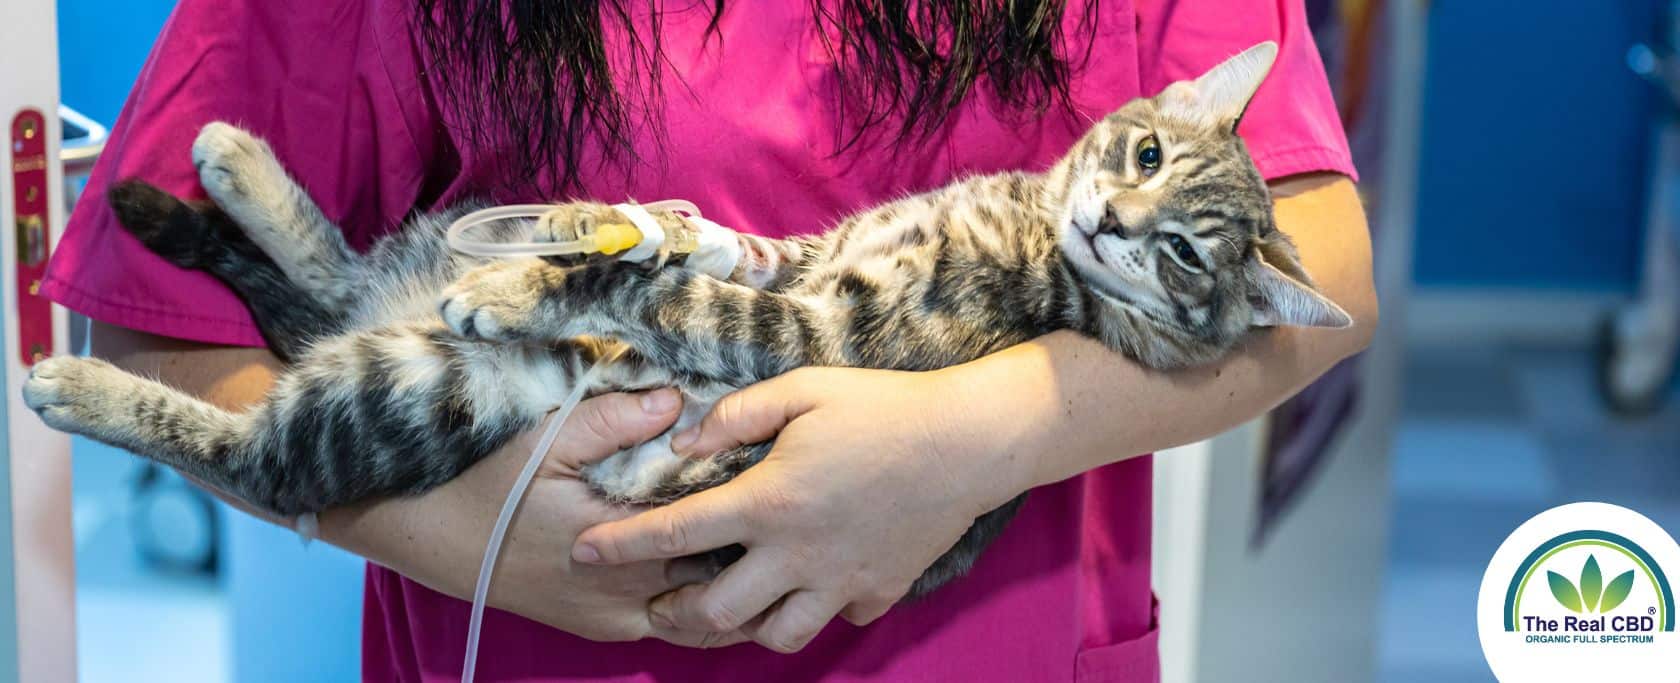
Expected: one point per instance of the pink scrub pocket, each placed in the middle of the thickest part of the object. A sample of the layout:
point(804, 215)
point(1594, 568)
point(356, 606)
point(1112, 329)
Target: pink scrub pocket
point(1128, 661)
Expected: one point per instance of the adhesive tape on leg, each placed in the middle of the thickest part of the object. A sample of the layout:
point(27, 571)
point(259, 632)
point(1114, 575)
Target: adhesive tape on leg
point(653, 236)
point(719, 249)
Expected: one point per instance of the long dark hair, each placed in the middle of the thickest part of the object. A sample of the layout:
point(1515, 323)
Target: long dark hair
point(537, 78)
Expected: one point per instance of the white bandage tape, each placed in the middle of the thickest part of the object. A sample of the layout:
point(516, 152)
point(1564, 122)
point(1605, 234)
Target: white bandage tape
point(653, 236)
point(719, 250)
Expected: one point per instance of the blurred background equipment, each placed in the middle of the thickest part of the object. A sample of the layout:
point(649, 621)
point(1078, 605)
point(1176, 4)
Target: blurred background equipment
point(174, 522)
point(1641, 341)
point(83, 140)
point(1534, 203)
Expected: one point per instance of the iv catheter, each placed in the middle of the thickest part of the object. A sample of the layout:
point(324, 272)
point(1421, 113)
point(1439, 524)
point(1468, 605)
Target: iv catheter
point(606, 239)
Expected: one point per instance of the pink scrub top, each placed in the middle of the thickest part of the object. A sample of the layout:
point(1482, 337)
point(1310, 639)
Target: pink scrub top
point(341, 91)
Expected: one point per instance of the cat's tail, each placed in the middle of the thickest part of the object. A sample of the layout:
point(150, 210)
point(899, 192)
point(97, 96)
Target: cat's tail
point(181, 233)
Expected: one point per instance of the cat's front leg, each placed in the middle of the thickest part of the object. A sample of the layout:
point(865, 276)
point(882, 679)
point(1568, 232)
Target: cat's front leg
point(533, 300)
point(674, 317)
point(504, 301)
point(760, 262)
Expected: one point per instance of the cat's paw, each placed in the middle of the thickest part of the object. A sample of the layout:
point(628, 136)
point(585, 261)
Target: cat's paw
point(74, 394)
point(499, 301)
point(567, 222)
point(574, 220)
point(225, 156)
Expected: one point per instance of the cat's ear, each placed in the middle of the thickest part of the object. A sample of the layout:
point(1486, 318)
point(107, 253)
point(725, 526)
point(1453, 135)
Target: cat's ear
point(1226, 89)
point(1281, 299)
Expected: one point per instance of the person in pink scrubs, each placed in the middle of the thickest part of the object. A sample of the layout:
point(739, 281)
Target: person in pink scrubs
point(875, 472)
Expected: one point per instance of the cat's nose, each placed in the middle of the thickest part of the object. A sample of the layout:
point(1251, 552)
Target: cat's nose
point(1110, 223)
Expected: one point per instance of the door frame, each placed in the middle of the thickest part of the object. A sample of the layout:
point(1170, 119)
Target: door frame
point(37, 547)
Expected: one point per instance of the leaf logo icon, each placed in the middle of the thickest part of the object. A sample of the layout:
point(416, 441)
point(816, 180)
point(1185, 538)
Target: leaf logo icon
point(1592, 583)
point(1564, 591)
point(1617, 591)
point(1593, 595)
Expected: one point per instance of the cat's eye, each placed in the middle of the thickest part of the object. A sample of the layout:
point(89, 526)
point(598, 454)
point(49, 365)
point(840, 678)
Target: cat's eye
point(1185, 253)
point(1149, 155)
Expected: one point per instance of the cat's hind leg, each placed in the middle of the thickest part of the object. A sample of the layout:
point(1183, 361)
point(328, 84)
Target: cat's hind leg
point(93, 398)
point(240, 173)
point(200, 236)
point(391, 412)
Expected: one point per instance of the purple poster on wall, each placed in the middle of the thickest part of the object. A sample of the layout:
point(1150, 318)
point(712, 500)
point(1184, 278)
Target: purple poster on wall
point(1351, 38)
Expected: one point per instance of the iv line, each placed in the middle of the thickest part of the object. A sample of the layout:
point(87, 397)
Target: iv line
point(715, 251)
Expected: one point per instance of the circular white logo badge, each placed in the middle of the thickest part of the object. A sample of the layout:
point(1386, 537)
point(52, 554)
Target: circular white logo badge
point(1582, 593)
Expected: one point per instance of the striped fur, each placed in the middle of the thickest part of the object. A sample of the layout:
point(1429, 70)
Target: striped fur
point(384, 398)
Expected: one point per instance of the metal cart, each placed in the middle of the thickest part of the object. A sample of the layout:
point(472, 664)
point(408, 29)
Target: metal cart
point(1639, 343)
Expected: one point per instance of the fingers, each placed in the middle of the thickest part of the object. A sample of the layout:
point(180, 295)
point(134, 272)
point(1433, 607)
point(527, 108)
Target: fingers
point(744, 590)
point(610, 423)
point(740, 603)
point(796, 621)
point(686, 570)
point(699, 639)
point(748, 416)
point(707, 520)
point(865, 613)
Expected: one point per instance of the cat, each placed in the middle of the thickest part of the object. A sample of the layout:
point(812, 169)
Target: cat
point(1154, 235)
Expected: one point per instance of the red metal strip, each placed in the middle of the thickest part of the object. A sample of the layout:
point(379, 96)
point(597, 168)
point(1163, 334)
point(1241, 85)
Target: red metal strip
point(29, 193)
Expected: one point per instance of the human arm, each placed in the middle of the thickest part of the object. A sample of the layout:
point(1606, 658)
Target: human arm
point(437, 538)
point(908, 474)
point(1323, 215)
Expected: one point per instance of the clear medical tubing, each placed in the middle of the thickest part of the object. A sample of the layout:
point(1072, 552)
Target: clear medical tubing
point(494, 547)
point(459, 240)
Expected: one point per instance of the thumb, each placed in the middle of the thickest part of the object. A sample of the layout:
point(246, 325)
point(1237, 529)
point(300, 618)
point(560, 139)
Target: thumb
point(609, 423)
point(747, 416)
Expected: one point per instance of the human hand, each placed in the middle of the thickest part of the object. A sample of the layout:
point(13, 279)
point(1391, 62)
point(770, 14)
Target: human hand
point(874, 475)
point(438, 538)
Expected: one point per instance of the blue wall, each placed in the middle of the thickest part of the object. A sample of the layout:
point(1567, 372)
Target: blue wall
point(1535, 156)
point(101, 45)
point(296, 612)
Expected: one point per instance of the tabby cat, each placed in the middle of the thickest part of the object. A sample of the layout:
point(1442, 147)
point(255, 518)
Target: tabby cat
point(1154, 235)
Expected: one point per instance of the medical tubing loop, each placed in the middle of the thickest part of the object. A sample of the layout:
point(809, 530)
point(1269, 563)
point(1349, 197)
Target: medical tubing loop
point(461, 242)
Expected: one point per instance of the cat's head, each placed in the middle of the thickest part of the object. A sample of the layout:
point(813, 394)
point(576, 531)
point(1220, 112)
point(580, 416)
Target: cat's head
point(1166, 216)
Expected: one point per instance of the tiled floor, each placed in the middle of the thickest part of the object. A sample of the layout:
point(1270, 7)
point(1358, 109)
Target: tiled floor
point(1487, 439)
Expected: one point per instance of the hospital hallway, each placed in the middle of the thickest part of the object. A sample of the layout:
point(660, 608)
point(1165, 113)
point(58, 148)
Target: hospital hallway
point(1488, 437)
